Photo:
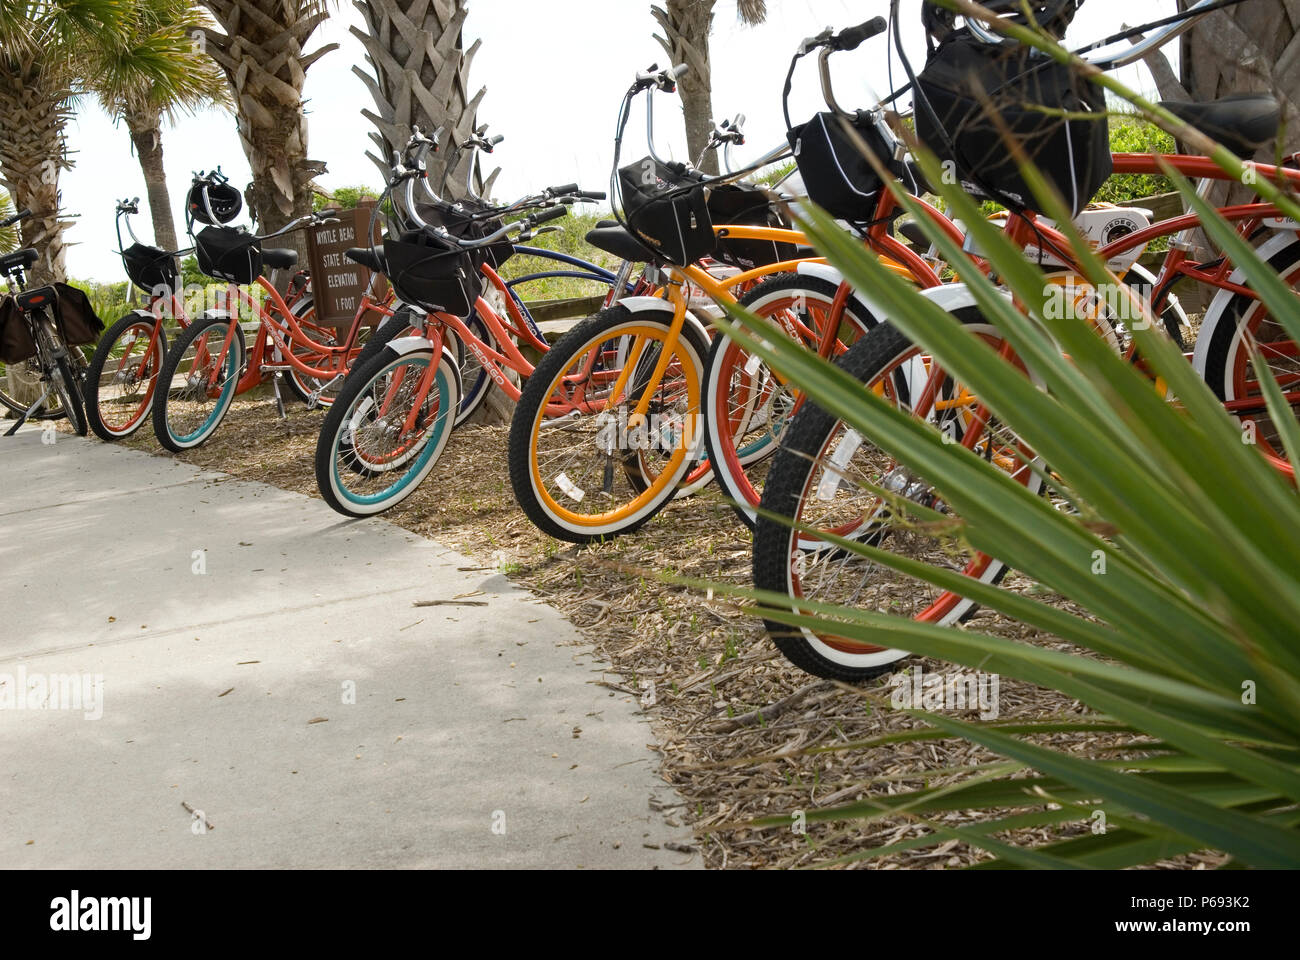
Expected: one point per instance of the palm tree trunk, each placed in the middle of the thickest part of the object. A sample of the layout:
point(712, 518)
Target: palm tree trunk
point(686, 25)
point(421, 78)
point(32, 155)
point(262, 55)
point(146, 135)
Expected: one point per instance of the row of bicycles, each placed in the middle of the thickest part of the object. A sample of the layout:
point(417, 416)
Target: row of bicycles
point(649, 399)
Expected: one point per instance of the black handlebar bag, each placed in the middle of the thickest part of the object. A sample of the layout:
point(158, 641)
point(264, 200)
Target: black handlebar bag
point(150, 268)
point(230, 254)
point(666, 208)
point(460, 220)
point(972, 96)
point(836, 173)
point(744, 204)
point(433, 273)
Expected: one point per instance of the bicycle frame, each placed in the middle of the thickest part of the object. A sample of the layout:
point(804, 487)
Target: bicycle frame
point(275, 338)
point(1028, 229)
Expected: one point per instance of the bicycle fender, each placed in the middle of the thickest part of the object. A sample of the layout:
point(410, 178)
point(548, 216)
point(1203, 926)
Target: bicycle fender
point(1219, 305)
point(822, 271)
point(643, 304)
point(405, 345)
point(639, 304)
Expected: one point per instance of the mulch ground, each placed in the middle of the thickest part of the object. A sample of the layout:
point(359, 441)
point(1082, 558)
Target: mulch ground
point(740, 730)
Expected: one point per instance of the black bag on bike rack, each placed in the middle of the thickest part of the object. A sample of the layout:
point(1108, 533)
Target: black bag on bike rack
point(75, 316)
point(149, 267)
point(971, 96)
point(230, 254)
point(16, 343)
point(837, 175)
point(433, 273)
point(665, 207)
point(748, 205)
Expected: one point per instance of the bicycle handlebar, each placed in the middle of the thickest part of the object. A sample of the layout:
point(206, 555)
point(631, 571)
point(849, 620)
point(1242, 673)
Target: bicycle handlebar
point(665, 79)
point(311, 220)
point(550, 213)
point(22, 214)
point(852, 37)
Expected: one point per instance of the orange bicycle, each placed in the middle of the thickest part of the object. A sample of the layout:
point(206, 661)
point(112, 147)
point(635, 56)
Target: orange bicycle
point(210, 364)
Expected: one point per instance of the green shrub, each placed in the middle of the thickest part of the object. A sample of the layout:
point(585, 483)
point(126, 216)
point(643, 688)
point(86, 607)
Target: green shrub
point(345, 198)
point(1131, 133)
point(110, 300)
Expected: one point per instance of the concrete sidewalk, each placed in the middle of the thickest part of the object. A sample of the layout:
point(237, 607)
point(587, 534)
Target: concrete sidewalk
point(263, 663)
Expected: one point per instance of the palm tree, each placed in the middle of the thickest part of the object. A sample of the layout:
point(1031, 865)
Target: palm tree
point(686, 25)
point(49, 50)
point(261, 48)
point(8, 235)
point(421, 77)
point(163, 30)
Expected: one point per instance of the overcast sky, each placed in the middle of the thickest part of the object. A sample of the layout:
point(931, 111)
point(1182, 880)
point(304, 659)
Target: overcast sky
point(555, 71)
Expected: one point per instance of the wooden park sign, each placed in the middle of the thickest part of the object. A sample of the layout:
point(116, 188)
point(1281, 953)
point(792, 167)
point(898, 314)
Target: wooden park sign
point(338, 283)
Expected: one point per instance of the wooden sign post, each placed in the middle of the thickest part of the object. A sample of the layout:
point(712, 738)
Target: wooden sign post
point(337, 283)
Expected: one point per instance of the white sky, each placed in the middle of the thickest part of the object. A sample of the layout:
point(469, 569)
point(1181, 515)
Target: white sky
point(555, 72)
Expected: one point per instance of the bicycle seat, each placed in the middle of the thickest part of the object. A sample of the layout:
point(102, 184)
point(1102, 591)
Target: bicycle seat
point(914, 235)
point(18, 259)
point(1242, 122)
point(370, 259)
point(279, 259)
point(614, 239)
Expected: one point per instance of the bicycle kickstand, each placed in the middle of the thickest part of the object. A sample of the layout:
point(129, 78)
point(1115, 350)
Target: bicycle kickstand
point(40, 402)
point(279, 397)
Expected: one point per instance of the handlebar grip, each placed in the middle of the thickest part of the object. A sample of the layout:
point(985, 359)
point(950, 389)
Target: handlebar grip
point(592, 194)
point(550, 213)
point(22, 214)
point(497, 139)
point(679, 71)
point(562, 189)
point(852, 37)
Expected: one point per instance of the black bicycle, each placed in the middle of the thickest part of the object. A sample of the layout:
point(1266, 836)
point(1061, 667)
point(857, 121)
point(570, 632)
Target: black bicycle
point(32, 349)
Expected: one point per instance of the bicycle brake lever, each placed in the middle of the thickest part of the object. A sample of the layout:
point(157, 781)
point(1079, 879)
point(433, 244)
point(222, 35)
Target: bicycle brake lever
point(812, 43)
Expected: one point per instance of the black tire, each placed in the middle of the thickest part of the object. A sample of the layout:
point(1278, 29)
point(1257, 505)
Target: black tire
point(95, 373)
point(65, 378)
point(163, 395)
point(856, 312)
point(69, 390)
point(389, 329)
point(791, 481)
point(529, 414)
point(471, 371)
point(334, 444)
point(15, 406)
point(1218, 373)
